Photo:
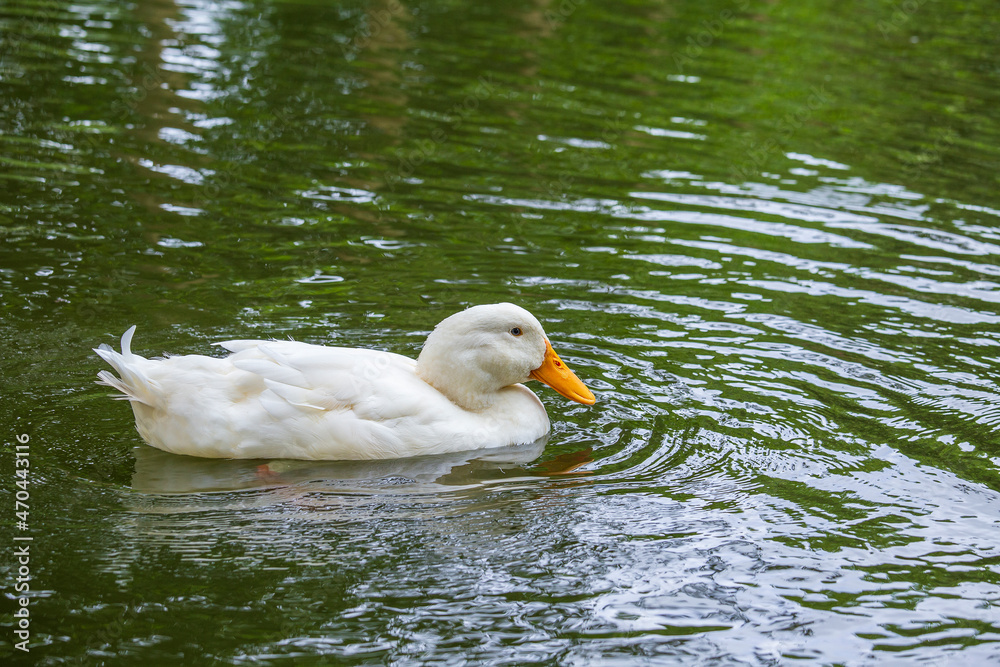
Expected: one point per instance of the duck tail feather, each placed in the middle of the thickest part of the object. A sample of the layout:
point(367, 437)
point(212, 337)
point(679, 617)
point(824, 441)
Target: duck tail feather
point(133, 383)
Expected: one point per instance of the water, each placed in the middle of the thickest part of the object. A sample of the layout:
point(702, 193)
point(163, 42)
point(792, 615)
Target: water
point(767, 236)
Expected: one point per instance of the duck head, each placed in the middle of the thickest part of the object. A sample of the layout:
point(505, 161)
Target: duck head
point(473, 354)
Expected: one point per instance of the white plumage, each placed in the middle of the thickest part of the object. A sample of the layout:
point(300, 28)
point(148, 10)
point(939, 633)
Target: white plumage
point(285, 399)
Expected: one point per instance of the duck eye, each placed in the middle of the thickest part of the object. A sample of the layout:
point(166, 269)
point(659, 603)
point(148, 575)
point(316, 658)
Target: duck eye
point(516, 331)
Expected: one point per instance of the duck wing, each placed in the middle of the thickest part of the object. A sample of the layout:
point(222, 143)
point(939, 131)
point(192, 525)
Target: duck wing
point(361, 403)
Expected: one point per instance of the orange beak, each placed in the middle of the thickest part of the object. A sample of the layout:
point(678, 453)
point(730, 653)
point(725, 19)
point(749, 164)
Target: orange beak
point(554, 373)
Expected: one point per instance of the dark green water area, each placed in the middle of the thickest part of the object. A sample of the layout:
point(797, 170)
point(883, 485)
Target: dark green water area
point(767, 234)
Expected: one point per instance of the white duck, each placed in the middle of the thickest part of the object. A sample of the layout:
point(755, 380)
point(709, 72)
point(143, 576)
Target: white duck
point(285, 399)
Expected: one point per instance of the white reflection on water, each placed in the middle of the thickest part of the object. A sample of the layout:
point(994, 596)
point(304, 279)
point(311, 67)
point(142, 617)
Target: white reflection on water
point(159, 472)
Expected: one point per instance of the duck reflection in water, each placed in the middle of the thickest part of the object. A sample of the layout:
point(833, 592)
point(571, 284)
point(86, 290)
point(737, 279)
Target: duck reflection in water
point(159, 472)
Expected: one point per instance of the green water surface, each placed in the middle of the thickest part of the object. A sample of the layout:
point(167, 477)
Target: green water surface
point(766, 234)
